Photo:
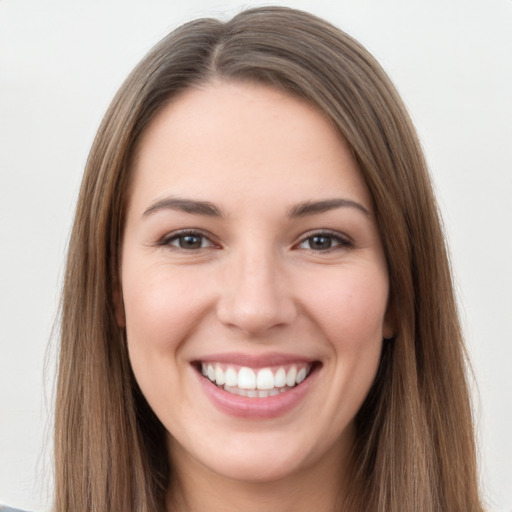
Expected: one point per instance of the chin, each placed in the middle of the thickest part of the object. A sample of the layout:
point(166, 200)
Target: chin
point(249, 457)
point(256, 469)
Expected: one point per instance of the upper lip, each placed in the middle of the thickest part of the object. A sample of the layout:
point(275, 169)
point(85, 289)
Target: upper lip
point(254, 361)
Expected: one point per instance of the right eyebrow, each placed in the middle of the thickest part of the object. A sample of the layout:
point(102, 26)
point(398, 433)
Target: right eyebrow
point(184, 205)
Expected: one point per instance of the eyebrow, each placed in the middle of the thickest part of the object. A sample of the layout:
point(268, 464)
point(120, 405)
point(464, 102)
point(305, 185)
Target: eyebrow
point(185, 205)
point(209, 209)
point(314, 207)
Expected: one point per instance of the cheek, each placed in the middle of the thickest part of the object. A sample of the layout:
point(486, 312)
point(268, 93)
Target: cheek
point(350, 307)
point(161, 308)
point(349, 311)
point(162, 311)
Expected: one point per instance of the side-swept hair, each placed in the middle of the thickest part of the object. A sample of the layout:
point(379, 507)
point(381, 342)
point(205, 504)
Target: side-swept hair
point(414, 449)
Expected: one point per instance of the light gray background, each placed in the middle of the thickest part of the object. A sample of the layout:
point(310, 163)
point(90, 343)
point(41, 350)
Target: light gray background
point(62, 61)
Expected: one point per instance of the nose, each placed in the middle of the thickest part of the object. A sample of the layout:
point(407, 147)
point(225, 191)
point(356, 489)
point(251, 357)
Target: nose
point(256, 296)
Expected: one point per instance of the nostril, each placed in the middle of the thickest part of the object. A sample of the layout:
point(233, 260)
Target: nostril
point(254, 317)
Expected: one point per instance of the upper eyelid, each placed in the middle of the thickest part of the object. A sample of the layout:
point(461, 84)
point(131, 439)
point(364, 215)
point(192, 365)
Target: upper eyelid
point(340, 240)
point(329, 232)
point(188, 231)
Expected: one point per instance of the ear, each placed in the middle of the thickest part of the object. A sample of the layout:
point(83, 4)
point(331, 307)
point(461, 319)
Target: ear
point(119, 304)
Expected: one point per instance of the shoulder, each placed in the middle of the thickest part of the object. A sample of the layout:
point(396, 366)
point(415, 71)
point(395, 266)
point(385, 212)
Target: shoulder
point(3, 508)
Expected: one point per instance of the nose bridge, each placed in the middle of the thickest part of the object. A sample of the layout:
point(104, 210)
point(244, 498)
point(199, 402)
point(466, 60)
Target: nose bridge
point(255, 294)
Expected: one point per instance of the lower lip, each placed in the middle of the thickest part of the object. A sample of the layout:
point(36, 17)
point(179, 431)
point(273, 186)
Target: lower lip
point(245, 407)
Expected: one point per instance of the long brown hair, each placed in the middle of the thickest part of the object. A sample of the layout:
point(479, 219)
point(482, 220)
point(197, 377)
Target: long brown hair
point(414, 447)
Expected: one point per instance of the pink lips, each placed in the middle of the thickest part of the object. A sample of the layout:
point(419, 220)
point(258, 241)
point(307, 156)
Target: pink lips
point(245, 407)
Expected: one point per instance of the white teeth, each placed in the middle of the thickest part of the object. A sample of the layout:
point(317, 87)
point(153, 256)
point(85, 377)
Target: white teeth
point(246, 378)
point(290, 377)
point(300, 376)
point(265, 379)
point(280, 378)
point(233, 389)
point(260, 383)
point(211, 372)
point(254, 393)
point(231, 377)
point(219, 376)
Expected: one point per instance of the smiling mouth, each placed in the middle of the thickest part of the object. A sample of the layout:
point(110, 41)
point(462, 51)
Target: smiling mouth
point(256, 382)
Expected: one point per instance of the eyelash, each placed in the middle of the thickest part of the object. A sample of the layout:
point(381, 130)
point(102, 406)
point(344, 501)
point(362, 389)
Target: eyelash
point(339, 240)
point(176, 236)
point(332, 237)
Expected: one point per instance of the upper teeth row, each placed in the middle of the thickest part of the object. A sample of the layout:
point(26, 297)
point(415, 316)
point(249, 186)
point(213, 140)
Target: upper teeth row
point(247, 378)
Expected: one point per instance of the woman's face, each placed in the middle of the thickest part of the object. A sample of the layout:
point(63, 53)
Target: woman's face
point(251, 255)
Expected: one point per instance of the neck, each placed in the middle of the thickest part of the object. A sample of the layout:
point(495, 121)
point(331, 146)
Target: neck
point(318, 487)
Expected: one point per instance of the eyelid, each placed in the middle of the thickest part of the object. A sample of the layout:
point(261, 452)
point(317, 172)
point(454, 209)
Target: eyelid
point(344, 240)
point(166, 240)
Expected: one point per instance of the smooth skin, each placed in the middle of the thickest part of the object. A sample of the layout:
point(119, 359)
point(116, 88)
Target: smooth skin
point(236, 165)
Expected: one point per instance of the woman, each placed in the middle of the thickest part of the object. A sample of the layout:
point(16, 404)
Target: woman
point(258, 309)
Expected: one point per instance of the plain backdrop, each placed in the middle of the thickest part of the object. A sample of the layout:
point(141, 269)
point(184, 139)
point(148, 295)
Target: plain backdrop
point(62, 61)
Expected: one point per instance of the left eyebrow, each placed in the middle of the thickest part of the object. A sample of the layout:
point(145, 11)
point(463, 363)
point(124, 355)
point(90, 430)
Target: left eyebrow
point(314, 207)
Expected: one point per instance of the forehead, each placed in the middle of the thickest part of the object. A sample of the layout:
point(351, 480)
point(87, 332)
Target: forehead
point(230, 140)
